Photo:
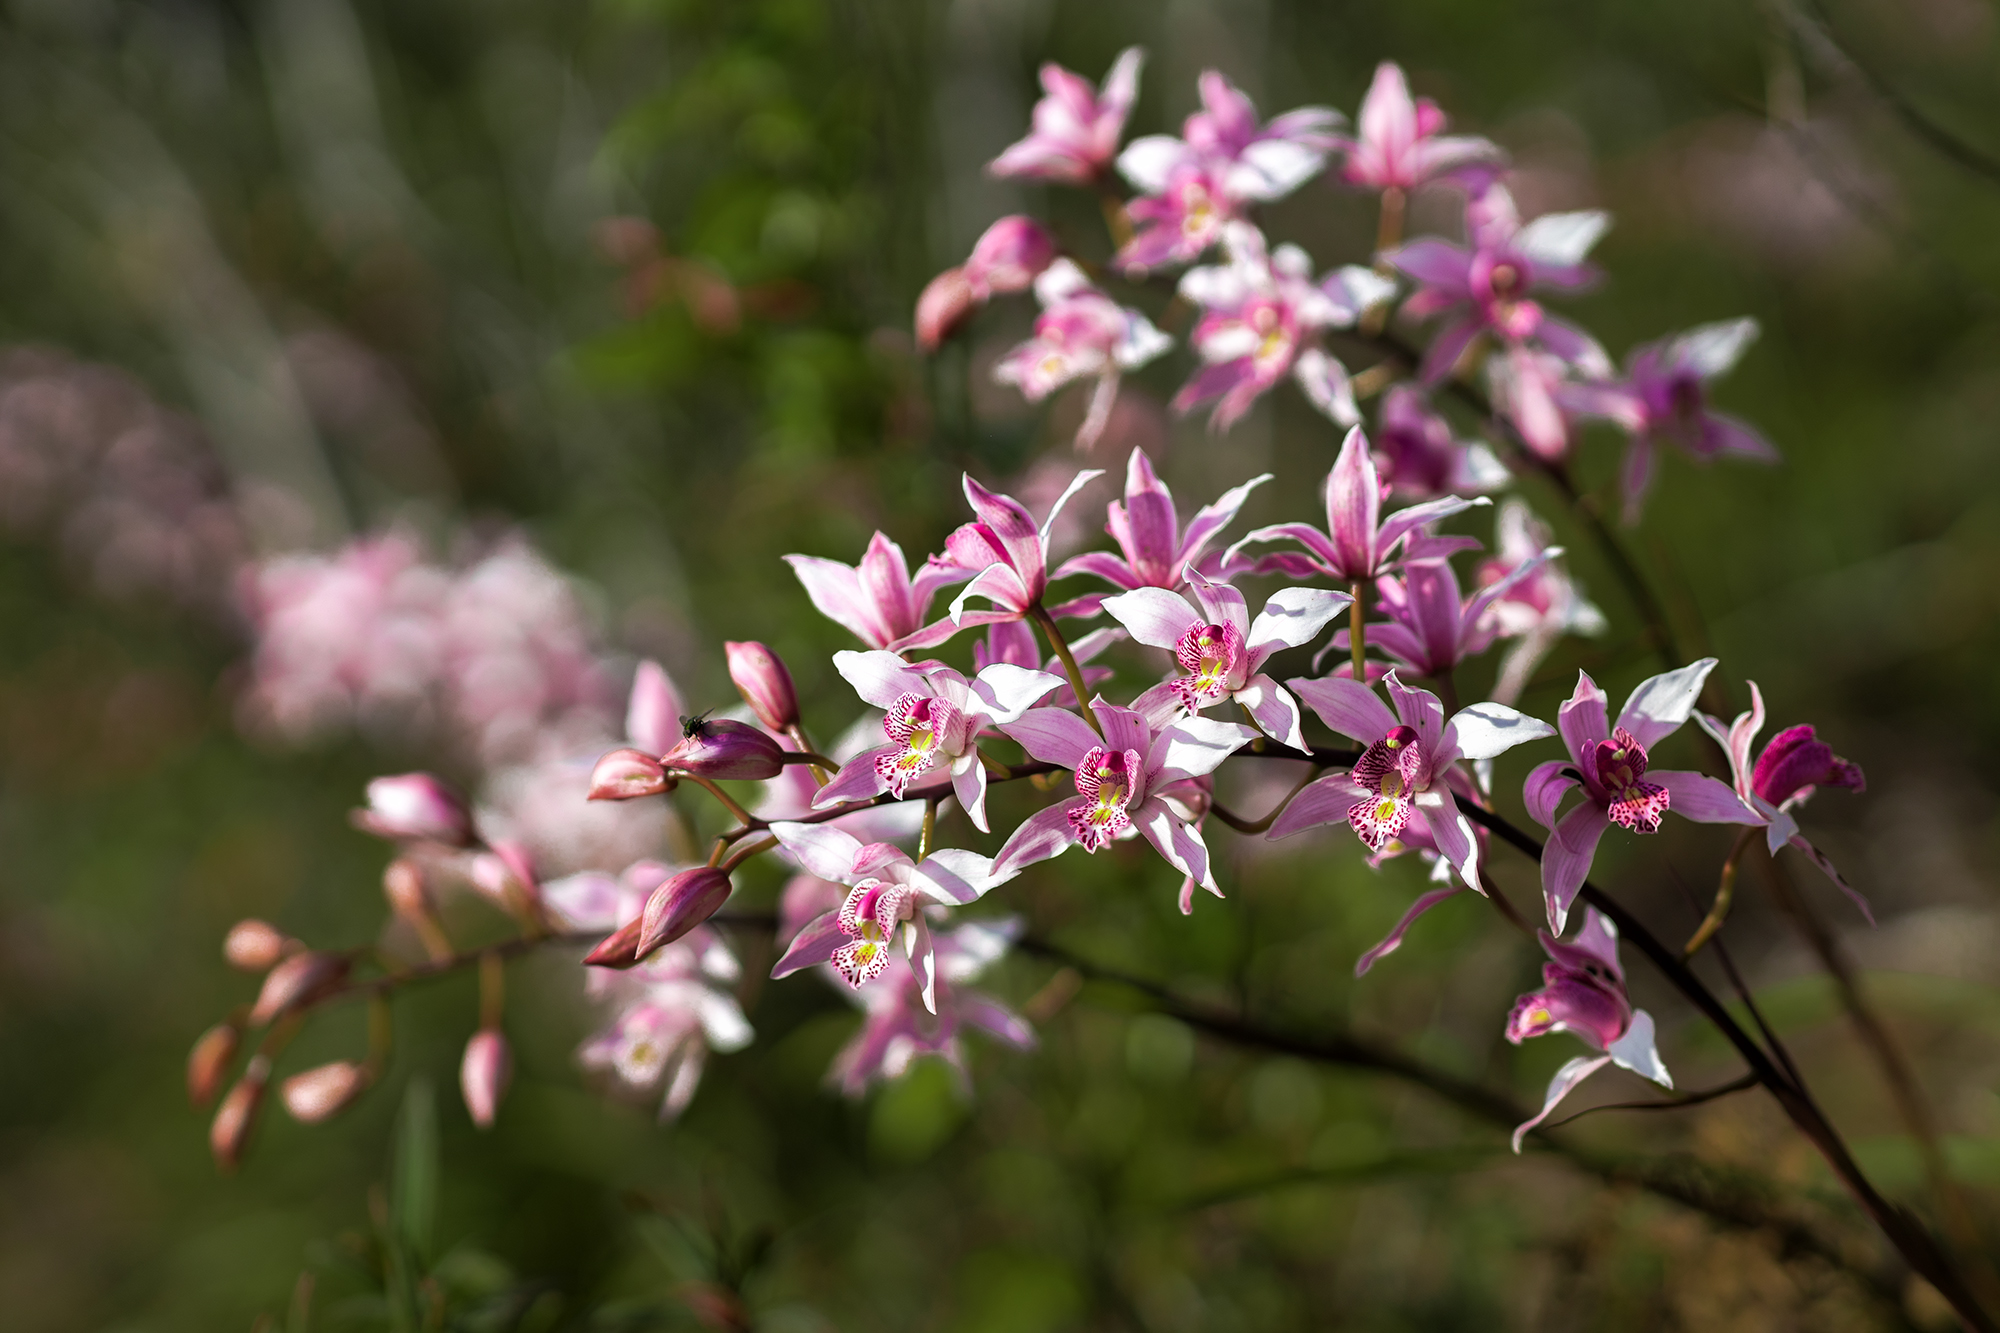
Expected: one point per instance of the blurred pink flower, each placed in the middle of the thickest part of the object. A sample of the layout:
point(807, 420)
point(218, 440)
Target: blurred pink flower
point(1535, 610)
point(1400, 144)
point(1081, 334)
point(1006, 557)
point(1156, 552)
point(876, 600)
point(1419, 458)
point(1076, 128)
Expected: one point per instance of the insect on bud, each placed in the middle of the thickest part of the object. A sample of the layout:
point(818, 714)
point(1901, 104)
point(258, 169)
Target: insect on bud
point(483, 1075)
point(208, 1063)
point(256, 946)
point(298, 979)
point(622, 775)
point(764, 683)
point(725, 749)
point(415, 806)
point(321, 1093)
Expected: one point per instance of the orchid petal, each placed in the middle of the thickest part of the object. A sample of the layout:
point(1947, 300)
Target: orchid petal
point(1488, 729)
point(1571, 1074)
point(1274, 710)
point(1451, 831)
point(857, 780)
point(1324, 801)
point(1053, 735)
point(820, 849)
point(1193, 747)
point(1659, 705)
point(953, 875)
point(879, 677)
point(1155, 617)
point(1545, 788)
point(1394, 939)
point(1636, 1051)
point(1704, 799)
point(811, 946)
point(1292, 617)
point(1566, 859)
point(1348, 706)
point(1008, 690)
point(1045, 833)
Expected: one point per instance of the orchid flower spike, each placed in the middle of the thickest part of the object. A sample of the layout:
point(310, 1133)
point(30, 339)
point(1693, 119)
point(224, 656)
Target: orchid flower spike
point(1583, 994)
point(1609, 764)
point(1403, 775)
point(934, 717)
point(1262, 313)
point(1155, 552)
point(887, 894)
point(1358, 543)
point(1081, 334)
point(1401, 143)
point(1222, 651)
point(900, 1026)
point(876, 600)
point(1120, 782)
point(1536, 610)
point(1791, 768)
point(1076, 127)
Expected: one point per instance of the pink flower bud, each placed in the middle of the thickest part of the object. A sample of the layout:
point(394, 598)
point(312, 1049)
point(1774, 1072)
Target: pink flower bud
point(946, 301)
point(483, 1075)
point(726, 749)
point(624, 774)
point(295, 981)
point(415, 806)
point(256, 946)
point(209, 1061)
point(229, 1132)
point(681, 904)
point(619, 949)
point(764, 683)
point(320, 1093)
point(1009, 256)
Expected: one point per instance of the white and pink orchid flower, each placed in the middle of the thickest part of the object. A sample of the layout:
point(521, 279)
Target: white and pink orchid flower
point(1155, 552)
point(1431, 627)
point(887, 894)
point(1006, 557)
point(1610, 764)
point(1262, 314)
point(900, 1026)
point(1222, 651)
point(1416, 837)
point(1792, 767)
point(1081, 334)
point(1400, 143)
point(1534, 611)
point(877, 599)
point(933, 717)
point(1583, 994)
point(1358, 543)
point(1122, 782)
point(1076, 127)
point(1404, 777)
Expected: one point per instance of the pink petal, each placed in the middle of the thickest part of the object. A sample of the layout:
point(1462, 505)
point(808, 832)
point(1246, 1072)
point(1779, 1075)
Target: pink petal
point(1566, 859)
point(1658, 707)
point(1353, 507)
point(1154, 616)
point(1703, 799)
point(1349, 707)
point(820, 849)
point(1544, 790)
point(1582, 720)
point(1176, 840)
point(1452, 832)
point(1293, 617)
point(1211, 519)
point(1274, 709)
point(652, 718)
point(1325, 801)
point(836, 592)
point(1103, 565)
point(1571, 1074)
point(857, 780)
point(1053, 735)
point(969, 785)
point(953, 875)
point(879, 677)
point(812, 946)
point(1419, 709)
point(1046, 833)
point(1394, 939)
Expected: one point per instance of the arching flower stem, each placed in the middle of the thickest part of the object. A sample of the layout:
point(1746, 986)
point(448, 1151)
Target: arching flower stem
point(1357, 627)
point(1060, 647)
point(1725, 894)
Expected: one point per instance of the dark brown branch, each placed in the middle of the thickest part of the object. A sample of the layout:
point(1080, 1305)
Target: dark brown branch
point(1743, 1084)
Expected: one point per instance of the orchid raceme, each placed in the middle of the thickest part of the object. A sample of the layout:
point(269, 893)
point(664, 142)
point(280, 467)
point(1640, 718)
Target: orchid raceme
point(1535, 611)
point(1122, 781)
point(1223, 162)
point(1404, 774)
point(1400, 144)
point(1006, 557)
point(1610, 765)
point(904, 1024)
point(933, 719)
point(1794, 765)
point(1153, 550)
point(1583, 994)
point(1076, 127)
point(1081, 334)
point(1358, 542)
point(885, 904)
point(1221, 651)
point(876, 600)
point(1261, 316)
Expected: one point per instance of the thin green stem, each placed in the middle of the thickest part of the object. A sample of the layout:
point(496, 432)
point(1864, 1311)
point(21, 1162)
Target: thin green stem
point(929, 830)
point(1725, 894)
point(1060, 647)
point(728, 801)
point(1357, 628)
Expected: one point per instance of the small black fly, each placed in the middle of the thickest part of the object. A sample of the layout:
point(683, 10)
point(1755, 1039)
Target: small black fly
point(696, 727)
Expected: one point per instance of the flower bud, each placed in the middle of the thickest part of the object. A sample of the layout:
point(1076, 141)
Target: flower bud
point(209, 1061)
point(229, 1132)
point(681, 904)
point(415, 805)
point(320, 1093)
point(764, 683)
point(619, 949)
point(484, 1074)
point(1009, 256)
point(256, 946)
point(726, 749)
point(506, 874)
point(298, 979)
point(946, 301)
point(624, 774)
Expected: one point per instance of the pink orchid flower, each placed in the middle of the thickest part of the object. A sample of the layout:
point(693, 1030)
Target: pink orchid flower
point(1358, 543)
point(876, 600)
point(1222, 651)
point(1583, 994)
point(1416, 837)
point(1418, 456)
point(1222, 162)
point(900, 1027)
point(1431, 628)
point(887, 894)
point(1081, 334)
point(1076, 128)
point(1121, 781)
point(1262, 313)
point(1006, 557)
point(933, 718)
point(1405, 776)
point(1485, 287)
point(1401, 143)
point(1535, 610)
point(1792, 767)
point(1155, 552)
point(1609, 764)
point(1664, 399)
point(1013, 642)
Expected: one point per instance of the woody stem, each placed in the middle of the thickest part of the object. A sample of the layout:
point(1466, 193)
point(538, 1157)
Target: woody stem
point(1060, 646)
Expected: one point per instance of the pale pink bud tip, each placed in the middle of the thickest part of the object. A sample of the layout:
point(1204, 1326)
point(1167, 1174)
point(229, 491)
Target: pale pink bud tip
point(726, 749)
point(681, 904)
point(320, 1093)
point(619, 949)
point(415, 806)
point(764, 683)
point(297, 980)
point(622, 775)
point(209, 1061)
point(484, 1074)
point(946, 301)
point(256, 946)
point(229, 1132)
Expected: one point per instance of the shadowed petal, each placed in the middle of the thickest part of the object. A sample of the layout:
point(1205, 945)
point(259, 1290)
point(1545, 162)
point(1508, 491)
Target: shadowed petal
point(1582, 720)
point(1544, 790)
point(1566, 859)
point(812, 946)
point(1571, 1074)
point(1703, 799)
point(1274, 709)
point(1662, 703)
point(1046, 833)
point(1488, 729)
point(1325, 801)
point(1348, 706)
point(857, 780)
point(1394, 939)
point(1635, 1050)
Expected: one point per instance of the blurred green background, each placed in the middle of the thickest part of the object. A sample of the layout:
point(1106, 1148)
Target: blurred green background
point(358, 253)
